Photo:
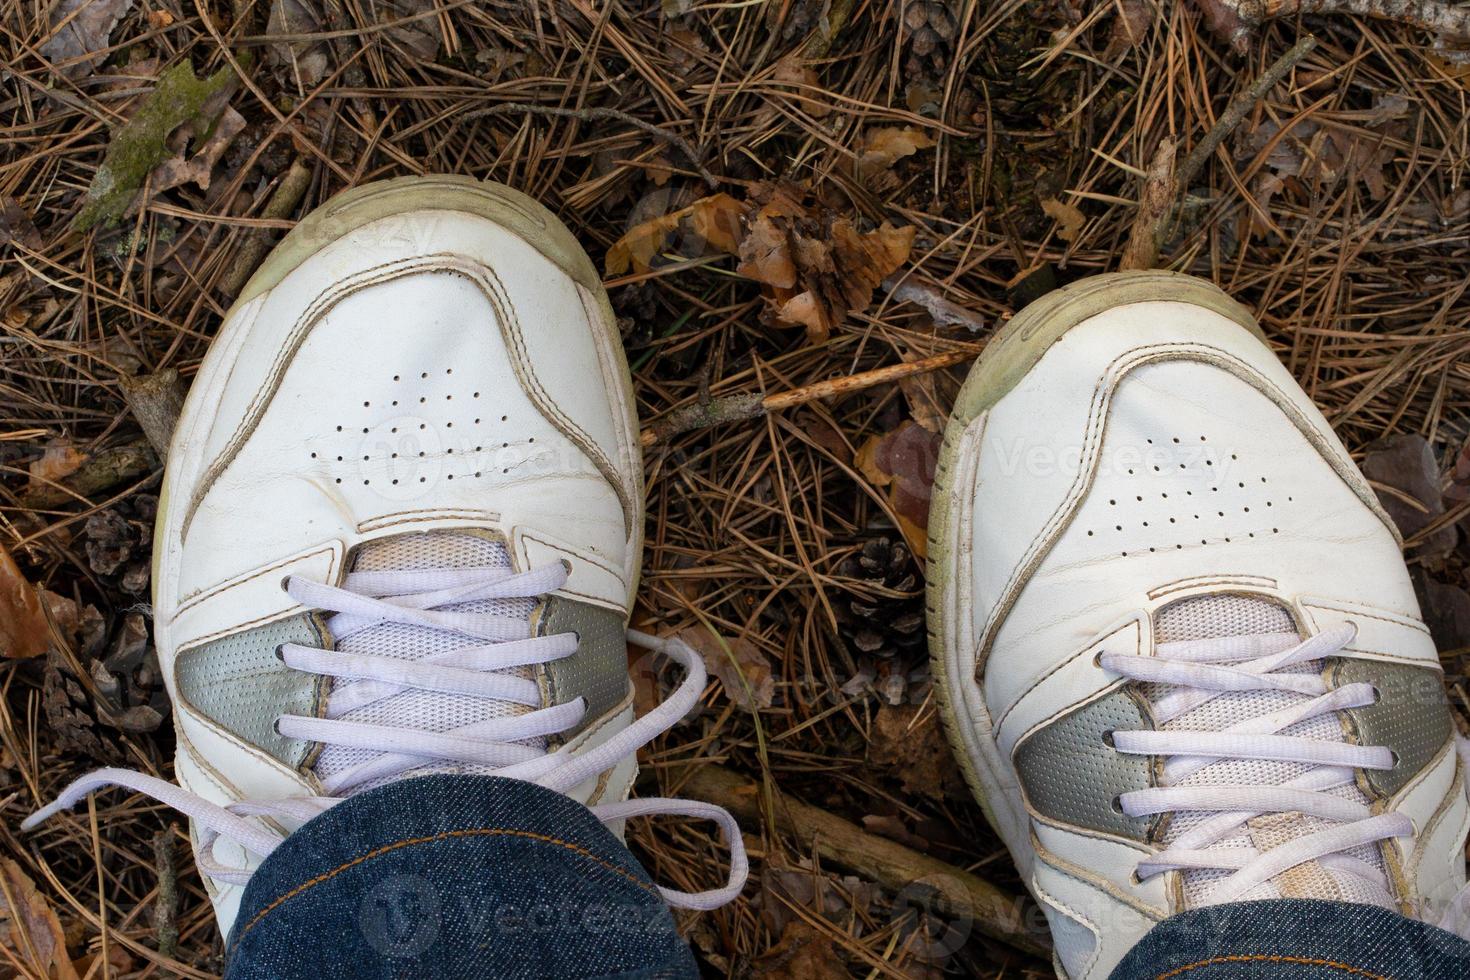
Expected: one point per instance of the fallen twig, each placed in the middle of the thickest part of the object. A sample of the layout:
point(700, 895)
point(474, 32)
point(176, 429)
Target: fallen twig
point(166, 908)
point(1159, 200)
point(955, 892)
point(750, 405)
point(1239, 106)
point(1235, 19)
point(1155, 204)
point(103, 470)
point(595, 113)
point(156, 401)
point(283, 201)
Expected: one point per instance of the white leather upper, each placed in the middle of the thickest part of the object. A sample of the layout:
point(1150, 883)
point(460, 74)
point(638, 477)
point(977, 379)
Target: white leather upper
point(1155, 452)
point(429, 370)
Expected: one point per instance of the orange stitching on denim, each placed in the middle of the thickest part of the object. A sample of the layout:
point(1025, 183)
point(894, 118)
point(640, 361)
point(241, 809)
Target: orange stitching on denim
point(1262, 957)
point(446, 835)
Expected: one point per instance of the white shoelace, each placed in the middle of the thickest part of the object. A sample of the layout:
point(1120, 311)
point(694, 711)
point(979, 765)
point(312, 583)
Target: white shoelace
point(1200, 670)
point(369, 599)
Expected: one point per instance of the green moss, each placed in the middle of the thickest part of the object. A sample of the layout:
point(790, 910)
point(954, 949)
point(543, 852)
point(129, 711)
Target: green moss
point(142, 143)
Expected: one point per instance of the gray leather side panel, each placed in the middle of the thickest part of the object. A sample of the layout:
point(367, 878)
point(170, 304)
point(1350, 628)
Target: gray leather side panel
point(238, 683)
point(598, 671)
point(1072, 775)
point(1412, 717)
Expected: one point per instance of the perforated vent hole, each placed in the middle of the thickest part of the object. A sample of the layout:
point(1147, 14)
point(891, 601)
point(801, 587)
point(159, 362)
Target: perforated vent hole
point(380, 446)
point(1147, 516)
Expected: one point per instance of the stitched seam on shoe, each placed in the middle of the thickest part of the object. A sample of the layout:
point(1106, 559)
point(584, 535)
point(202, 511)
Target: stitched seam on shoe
point(432, 838)
point(1269, 958)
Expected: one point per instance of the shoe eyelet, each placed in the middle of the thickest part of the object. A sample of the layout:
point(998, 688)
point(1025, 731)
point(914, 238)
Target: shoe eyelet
point(1117, 803)
point(1397, 759)
point(276, 726)
point(1134, 879)
point(281, 652)
point(286, 584)
point(1377, 695)
point(1107, 739)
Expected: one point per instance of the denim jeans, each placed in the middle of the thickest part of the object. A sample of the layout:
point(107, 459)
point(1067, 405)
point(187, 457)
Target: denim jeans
point(476, 876)
point(454, 876)
point(1292, 939)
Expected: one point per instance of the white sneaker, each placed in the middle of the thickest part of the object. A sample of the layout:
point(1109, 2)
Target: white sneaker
point(401, 528)
point(1179, 655)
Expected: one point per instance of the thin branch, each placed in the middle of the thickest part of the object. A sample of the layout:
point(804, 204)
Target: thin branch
point(751, 405)
point(955, 891)
point(1158, 204)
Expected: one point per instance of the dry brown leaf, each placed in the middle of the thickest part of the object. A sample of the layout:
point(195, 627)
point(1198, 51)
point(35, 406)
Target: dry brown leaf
point(1403, 471)
point(817, 266)
point(805, 310)
point(659, 170)
point(747, 679)
point(713, 224)
point(16, 225)
point(23, 629)
point(29, 929)
point(885, 146)
point(903, 462)
point(1446, 612)
point(1129, 27)
point(420, 36)
point(841, 278)
point(199, 168)
point(1069, 218)
point(87, 26)
point(765, 254)
point(60, 460)
point(803, 953)
point(907, 740)
point(866, 462)
point(305, 61)
point(866, 258)
point(921, 391)
point(792, 70)
point(717, 221)
point(641, 244)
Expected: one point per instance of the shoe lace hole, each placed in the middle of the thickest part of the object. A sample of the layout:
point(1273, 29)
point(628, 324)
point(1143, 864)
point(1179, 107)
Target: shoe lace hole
point(1118, 804)
point(1107, 738)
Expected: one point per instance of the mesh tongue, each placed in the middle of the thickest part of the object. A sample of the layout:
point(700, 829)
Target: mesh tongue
point(1232, 615)
point(428, 711)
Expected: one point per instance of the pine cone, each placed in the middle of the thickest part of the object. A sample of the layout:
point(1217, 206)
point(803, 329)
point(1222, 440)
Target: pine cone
point(119, 540)
point(125, 693)
point(876, 624)
point(931, 28)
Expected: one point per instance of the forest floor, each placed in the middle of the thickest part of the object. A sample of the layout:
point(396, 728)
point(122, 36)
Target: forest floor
point(783, 194)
